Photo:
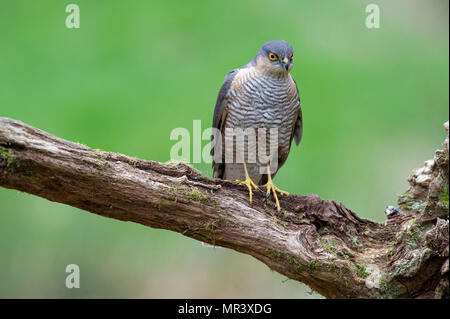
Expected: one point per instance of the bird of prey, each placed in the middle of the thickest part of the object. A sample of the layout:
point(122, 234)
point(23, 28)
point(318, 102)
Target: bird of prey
point(260, 95)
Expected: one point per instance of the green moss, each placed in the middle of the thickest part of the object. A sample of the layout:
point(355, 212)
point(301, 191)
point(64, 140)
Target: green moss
point(367, 232)
point(174, 192)
point(178, 162)
point(389, 289)
point(158, 205)
point(175, 163)
point(81, 144)
point(443, 197)
point(297, 266)
point(383, 282)
point(211, 227)
point(219, 210)
point(28, 173)
point(133, 162)
point(399, 235)
point(332, 259)
point(355, 241)
point(194, 195)
point(361, 271)
point(100, 158)
point(305, 221)
point(405, 207)
point(343, 253)
point(279, 222)
point(413, 233)
point(407, 195)
point(286, 214)
point(270, 203)
point(414, 236)
point(6, 155)
point(391, 250)
point(12, 164)
point(314, 265)
point(419, 206)
point(275, 254)
point(328, 246)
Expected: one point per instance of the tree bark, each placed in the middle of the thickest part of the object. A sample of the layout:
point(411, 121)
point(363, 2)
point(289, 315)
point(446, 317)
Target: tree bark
point(318, 242)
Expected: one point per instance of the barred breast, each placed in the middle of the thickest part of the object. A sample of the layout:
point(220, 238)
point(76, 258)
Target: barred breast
point(258, 100)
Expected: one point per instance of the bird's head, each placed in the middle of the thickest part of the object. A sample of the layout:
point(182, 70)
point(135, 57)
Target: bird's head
point(276, 57)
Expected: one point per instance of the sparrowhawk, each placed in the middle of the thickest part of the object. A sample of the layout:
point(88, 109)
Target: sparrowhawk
point(260, 95)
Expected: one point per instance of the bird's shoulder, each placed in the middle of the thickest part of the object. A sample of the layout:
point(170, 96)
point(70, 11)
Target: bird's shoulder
point(223, 92)
point(233, 81)
point(242, 75)
point(293, 85)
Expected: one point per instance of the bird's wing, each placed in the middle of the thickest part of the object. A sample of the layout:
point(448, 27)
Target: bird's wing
point(220, 105)
point(298, 127)
point(219, 117)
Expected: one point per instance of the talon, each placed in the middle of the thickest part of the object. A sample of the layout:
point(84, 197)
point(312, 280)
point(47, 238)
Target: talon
point(272, 189)
point(250, 185)
point(279, 214)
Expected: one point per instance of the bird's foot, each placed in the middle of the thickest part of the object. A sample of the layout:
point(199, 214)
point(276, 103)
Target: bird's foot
point(250, 185)
point(272, 189)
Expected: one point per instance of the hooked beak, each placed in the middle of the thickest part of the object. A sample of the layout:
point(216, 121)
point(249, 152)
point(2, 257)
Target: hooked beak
point(285, 63)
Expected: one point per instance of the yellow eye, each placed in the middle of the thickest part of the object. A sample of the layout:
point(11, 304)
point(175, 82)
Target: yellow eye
point(272, 56)
point(292, 57)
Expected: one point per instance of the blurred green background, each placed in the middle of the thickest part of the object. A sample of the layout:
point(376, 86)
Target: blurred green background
point(374, 101)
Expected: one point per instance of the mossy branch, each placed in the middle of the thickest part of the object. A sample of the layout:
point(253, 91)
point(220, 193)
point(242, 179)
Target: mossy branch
point(317, 242)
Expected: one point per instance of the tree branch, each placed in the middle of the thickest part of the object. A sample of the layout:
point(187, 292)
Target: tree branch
point(318, 242)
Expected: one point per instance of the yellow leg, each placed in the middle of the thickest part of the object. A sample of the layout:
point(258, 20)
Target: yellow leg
point(272, 188)
point(249, 183)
